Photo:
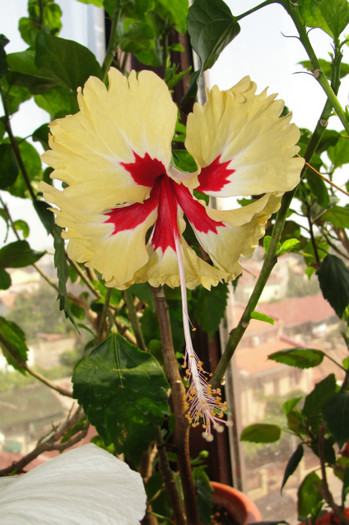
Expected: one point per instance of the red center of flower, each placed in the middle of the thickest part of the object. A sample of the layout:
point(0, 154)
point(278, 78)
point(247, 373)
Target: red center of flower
point(167, 198)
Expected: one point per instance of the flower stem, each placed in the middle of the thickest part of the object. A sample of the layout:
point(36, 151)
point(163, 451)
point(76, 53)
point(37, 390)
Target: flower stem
point(16, 149)
point(112, 44)
point(132, 315)
point(271, 258)
point(256, 8)
point(179, 406)
point(269, 263)
point(293, 11)
point(169, 481)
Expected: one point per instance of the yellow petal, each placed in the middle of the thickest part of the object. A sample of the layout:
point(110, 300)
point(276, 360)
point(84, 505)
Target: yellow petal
point(163, 269)
point(133, 116)
point(244, 131)
point(240, 234)
point(117, 256)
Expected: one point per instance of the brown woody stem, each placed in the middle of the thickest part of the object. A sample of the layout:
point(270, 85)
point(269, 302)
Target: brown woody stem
point(179, 408)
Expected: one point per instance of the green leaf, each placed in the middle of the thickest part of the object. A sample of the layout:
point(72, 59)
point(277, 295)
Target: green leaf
point(208, 307)
point(18, 254)
point(309, 496)
point(319, 189)
point(41, 135)
point(32, 162)
point(15, 96)
point(292, 464)
point(337, 216)
point(62, 267)
point(175, 13)
point(316, 399)
point(45, 215)
point(5, 279)
point(3, 62)
point(299, 357)
point(211, 27)
point(144, 293)
point(262, 317)
point(42, 15)
point(310, 11)
point(287, 246)
point(336, 14)
point(97, 3)
point(12, 342)
point(339, 152)
point(333, 278)
point(58, 101)
point(124, 393)
point(66, 61)
point(8, 166)
point(261, 433)
point(22, 226)
point(336, 416)
point(326, 67)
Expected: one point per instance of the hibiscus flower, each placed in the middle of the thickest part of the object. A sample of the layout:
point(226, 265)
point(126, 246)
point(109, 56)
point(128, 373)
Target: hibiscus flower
point(126, 206)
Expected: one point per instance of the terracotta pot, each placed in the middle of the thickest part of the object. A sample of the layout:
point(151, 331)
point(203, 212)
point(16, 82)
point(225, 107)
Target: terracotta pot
point(239, 506)
point(328, 519)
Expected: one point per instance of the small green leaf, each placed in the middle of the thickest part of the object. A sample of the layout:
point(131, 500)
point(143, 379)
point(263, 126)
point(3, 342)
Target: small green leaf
point(45, 215)
point(309, 496)
point(208, 307)
point(32, 162)
point(338, 216)
point(12, 342)
point(18, 254)
point(5, 279)
point(311, 14)
point(58, 101)
point(316, 399)
point(3, 62)
point(261, 433)
point(326, 67)
point(292, 464)
point(333, 278)
point(124, 393)
point(336, 14)
point(262, 317)
point(339, 152)
point(66, 61)
point(8, 166)
point(97, 3)
point(336, 416)
point(288, 246)
point(299, 357)
point(22, 226)
point(62, 267)
point(211, 27)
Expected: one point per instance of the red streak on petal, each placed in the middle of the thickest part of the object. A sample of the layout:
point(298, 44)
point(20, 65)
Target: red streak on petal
point(129, 217)
point(166, 226)
point(195, 211)
point(214, 176)
point(144, 170)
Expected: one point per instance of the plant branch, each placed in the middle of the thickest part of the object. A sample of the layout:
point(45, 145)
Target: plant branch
point(169, 481)
point(15, 148)
point(269, 263)
point(112, 44)
point(48, 443)
point(293, 10)
point(132, 315)
point(326, 493)
point(179, 407)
